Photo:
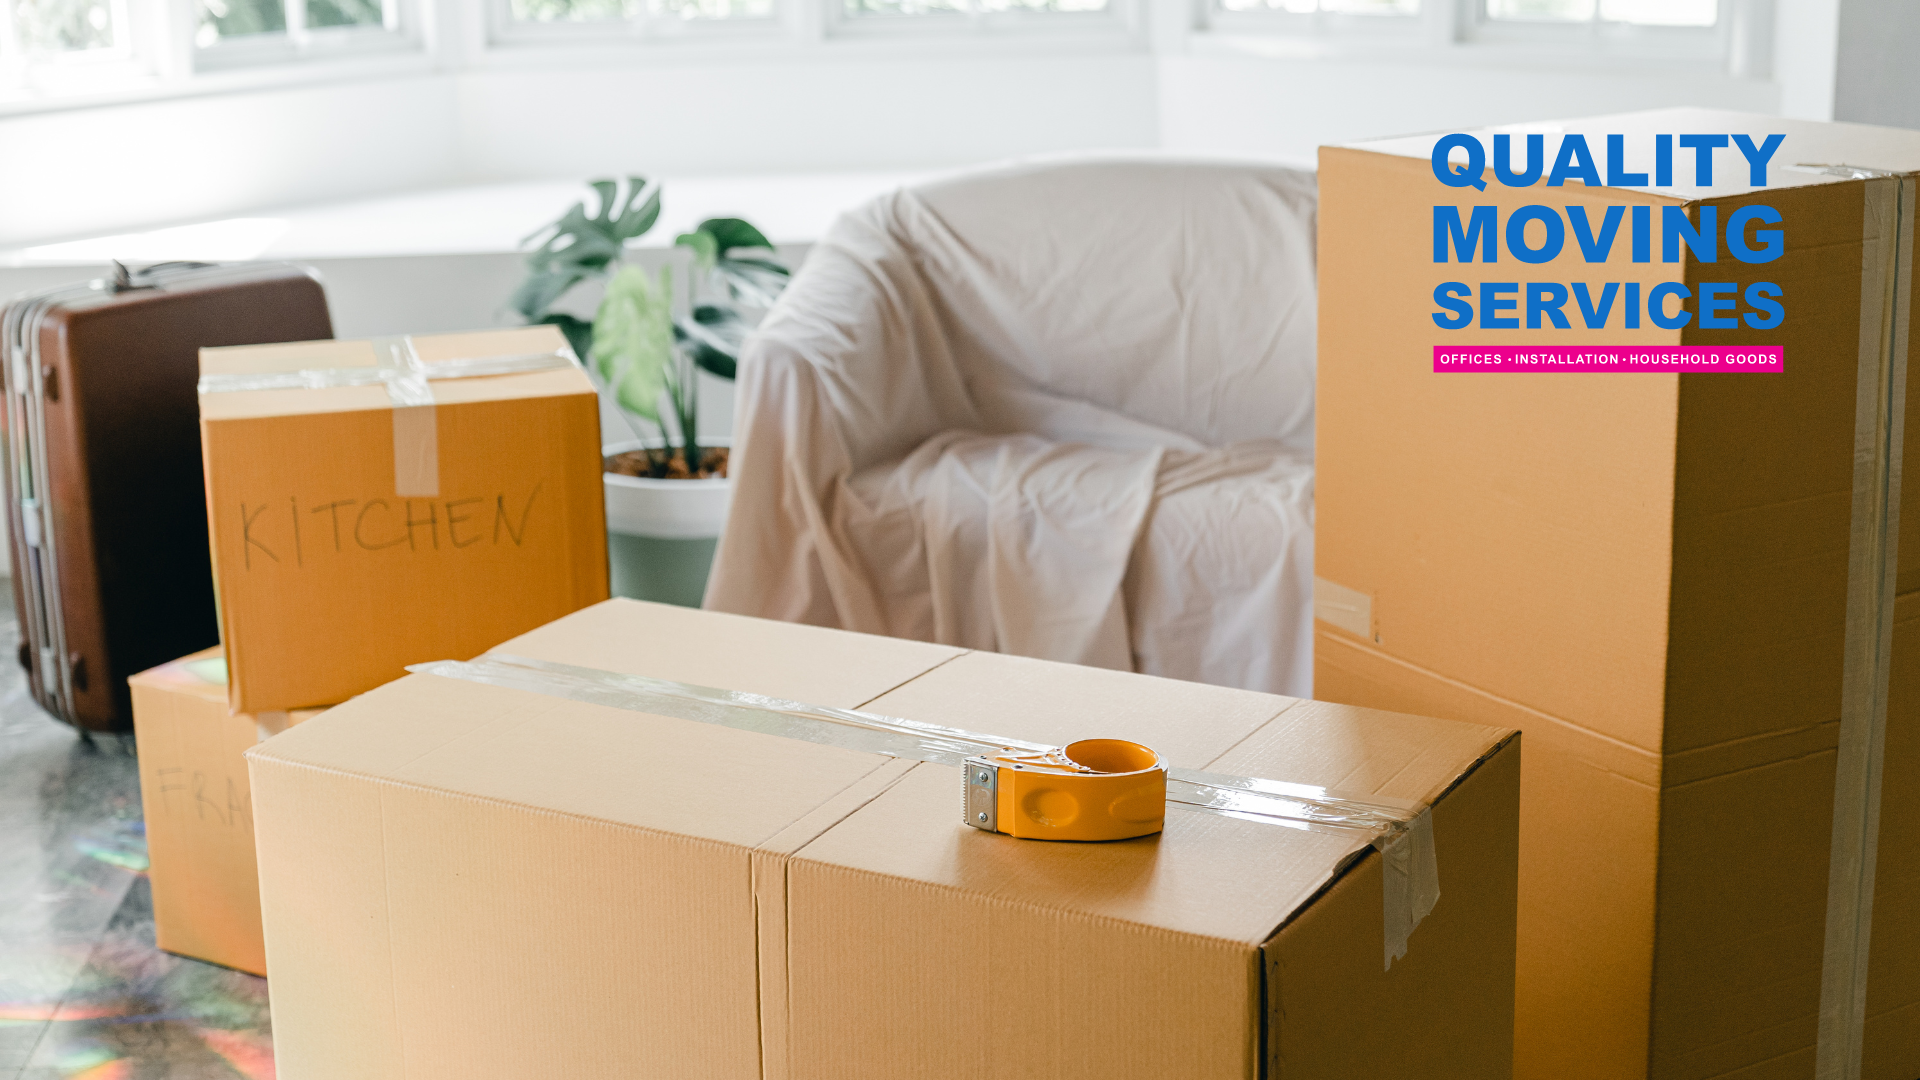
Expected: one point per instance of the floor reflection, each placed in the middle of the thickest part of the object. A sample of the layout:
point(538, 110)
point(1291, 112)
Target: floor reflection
point(84, 995)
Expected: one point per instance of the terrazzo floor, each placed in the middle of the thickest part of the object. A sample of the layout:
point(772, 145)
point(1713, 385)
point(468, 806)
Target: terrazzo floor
point(84, 995)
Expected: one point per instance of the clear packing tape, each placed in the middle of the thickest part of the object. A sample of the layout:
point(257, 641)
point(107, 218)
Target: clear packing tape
point(416, 439)
point(1402, 831)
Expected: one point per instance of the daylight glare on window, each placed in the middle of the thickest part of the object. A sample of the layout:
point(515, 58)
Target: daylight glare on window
point(1640, 12)
point(553, 11)
point(866, 8)
point(345, 13)
point(1342, 7)
point(569, 10)
point(221, 19)
point(64, 26)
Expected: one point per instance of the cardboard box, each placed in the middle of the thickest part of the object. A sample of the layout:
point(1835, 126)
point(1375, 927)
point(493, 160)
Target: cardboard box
point(352, 538)
point(509, 884)
point(1649, 573)
point(199, 809)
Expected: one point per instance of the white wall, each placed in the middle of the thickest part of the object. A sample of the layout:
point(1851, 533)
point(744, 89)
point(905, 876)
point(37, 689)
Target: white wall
point(80, 172)
point(1877, 63)
point(96, 170)
point(800, 116)
point(553, 113)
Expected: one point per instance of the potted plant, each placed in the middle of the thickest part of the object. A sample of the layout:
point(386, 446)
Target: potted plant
point(667, 488)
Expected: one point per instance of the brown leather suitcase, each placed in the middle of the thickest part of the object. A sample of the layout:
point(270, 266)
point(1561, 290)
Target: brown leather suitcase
point(106, 505)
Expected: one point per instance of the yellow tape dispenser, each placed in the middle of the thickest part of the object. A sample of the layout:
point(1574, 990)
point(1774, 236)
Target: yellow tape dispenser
point(1094, 789)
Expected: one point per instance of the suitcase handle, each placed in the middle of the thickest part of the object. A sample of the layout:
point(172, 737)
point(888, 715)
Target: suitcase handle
point(123, 280)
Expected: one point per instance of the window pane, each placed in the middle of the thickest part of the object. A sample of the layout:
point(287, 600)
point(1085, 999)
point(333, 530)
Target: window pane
point(1661, 12)
point(714, 9)
point(63, 26)
point(1308, 7)
point(238, 18)
point(904, 7)
point(1541, 10)
point(569, 10)
point(346, 13)
point(1043, 5)
point(1372, 7)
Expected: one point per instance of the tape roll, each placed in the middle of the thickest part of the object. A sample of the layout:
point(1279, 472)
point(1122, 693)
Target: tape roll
point(1094, 789)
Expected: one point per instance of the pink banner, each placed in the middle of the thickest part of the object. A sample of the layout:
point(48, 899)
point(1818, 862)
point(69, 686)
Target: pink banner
point(1608, 358)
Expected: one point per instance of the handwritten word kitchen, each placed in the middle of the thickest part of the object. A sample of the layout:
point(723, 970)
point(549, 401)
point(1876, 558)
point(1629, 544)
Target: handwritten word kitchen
point(293, 531)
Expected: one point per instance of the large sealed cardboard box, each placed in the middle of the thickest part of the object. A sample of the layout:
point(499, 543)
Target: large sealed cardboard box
point(199, 809)
point(373, 504)
point(1684, 587)
point(502, 882)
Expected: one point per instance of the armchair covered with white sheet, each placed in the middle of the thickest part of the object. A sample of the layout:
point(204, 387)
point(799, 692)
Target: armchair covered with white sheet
point(1062, 410)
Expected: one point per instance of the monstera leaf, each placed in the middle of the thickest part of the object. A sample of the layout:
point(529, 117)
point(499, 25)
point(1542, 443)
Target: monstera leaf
point(714, 337)
point(581, 245)
point(741, 256)
point(633, 338)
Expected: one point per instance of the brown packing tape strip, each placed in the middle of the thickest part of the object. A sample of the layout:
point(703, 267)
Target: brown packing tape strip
point(1879, 430)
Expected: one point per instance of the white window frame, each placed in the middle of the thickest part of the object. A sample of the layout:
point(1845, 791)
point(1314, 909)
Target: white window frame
point(801, 25)
point(643, 27)
point(1321, 26)
point(131, 62)
point(401, 31)
point(1740, 42)
point(1119, 21)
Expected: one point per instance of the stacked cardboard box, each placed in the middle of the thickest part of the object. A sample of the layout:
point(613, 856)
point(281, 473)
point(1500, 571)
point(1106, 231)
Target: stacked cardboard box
point(508, 882)
point(367, 510)
point(199, 809)
point(1668, 580)
point(354, 533)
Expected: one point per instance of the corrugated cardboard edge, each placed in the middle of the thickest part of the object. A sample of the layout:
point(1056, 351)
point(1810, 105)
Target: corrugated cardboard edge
point(770, 906)
point(1353, 860)
point(1879, 422)
point(1269, 1017)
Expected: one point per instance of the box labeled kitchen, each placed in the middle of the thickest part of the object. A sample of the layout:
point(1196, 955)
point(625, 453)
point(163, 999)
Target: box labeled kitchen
point(373, 504)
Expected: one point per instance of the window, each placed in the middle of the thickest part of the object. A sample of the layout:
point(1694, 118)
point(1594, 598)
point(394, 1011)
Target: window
point(858, 9)
point(1340, 7)
point(62, 45)
point(602, 20)
point(903, 17)
point(229, 33)
point(1716, 31)
point(1691, 30)
point(1628, 12)
point(1326, 20)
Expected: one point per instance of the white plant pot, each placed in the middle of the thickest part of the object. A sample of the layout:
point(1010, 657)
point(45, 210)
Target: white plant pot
point(666, 509)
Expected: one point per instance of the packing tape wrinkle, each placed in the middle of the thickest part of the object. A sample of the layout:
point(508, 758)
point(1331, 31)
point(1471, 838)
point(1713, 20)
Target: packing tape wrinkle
point(408, 380)
point(1886, 274)
point(1401, 830)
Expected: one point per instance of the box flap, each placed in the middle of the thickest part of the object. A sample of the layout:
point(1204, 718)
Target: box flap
point(1199, 876)
point(1188, 723)
point(617, 765)
point(200, 675)
point(431, 348)
point(732, 652)
point(1207, 875)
